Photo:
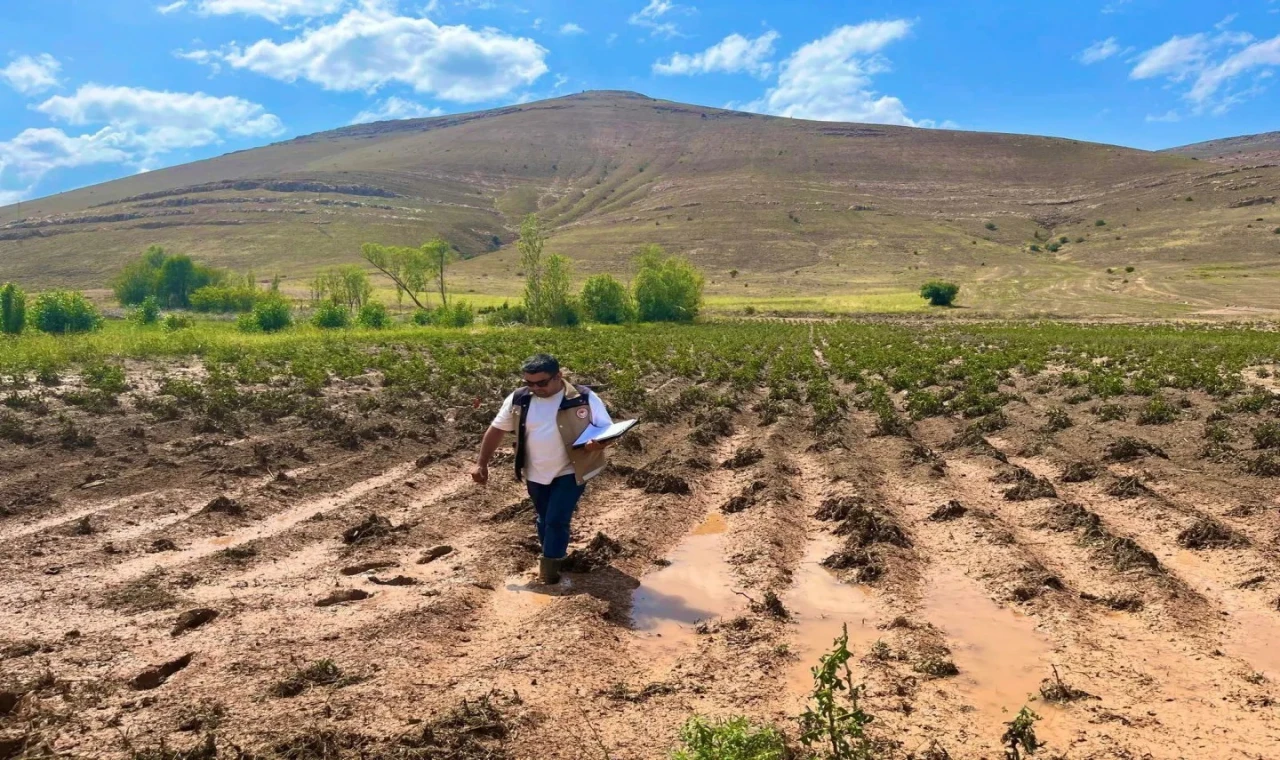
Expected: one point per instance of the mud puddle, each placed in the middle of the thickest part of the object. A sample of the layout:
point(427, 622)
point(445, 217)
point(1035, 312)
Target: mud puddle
point(1252, 628)
point(1001, 656)
point(821, 605)
point(696, 586)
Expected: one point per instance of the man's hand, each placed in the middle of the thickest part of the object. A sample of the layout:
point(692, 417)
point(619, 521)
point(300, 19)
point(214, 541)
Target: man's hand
point(594, 446)
point(481, 474)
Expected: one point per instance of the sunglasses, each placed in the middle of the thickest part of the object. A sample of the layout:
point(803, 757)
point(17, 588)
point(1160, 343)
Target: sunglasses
point(539, 383)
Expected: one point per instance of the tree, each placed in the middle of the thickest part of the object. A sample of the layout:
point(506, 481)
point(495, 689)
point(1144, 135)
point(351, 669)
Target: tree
point(373, 315)
point(606, 300)
point(939, 293)
point(560, 309)
point(171, 278)
point(138, 278)
point(666, 288)
point(405, 267)
point(147, 312)
point(271, 314)
point(346, 285)
point(436, 255)
point(13, 309)
point(331, 315)
point(532, 240)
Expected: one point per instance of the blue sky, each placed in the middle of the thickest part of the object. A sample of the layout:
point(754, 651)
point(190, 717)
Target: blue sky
point(90, 91)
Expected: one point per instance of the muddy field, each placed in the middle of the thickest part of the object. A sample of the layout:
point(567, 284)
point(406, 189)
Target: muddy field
point(291, 590)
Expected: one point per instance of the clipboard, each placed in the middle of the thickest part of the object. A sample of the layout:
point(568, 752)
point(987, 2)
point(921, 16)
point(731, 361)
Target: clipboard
point(602, 434)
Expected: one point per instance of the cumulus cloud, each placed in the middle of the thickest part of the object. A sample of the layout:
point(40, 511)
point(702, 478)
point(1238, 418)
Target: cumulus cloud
point(394, 108)
point(138, 127)
point(31, 76)
point(830, 79)
point(371, 47)
point(731, 55)
point(652, 16)
point(274, 11)
point(1099, 51)
point(1214, 64)
point(572, 28)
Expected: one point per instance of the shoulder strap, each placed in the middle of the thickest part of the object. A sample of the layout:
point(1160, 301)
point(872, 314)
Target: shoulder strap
point(521, 397)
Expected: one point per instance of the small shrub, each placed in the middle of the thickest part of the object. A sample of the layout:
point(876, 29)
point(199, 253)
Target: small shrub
point(331, 315)
point(225, 299)
point(373, 315)
point(1267, 436)
point(147, 312)
point(991, 226)
point(1080, 240)
point(939, 293)
point(1128, 270)
point(13, 309)
point(834, 724)
point(505, 314)
point(605, 300)
point(64, 311)
point(1158, 411)
point(1020, 734)
point(734, 738)
point(271, 314)
point(1035, 248)
point(457, 314)
point(1100, 223)
point(1053, 247)
point(1111, 412)
point(1064, 240)
point(1058, 420)
point(1276, 230)
point(175, 322)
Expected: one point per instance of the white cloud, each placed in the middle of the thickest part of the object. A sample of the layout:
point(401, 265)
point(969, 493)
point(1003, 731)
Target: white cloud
point(30, 76)
point(10, 197)
point(36, 152)
point(1168, 116)
point(1213, 63)
point(394, 108)
point(572, 28)
point(171, 7)
point(272, 10)
point(733, 54)
point(650, 17)
point(1099, 51)
point(371, 47)
point(829, 79)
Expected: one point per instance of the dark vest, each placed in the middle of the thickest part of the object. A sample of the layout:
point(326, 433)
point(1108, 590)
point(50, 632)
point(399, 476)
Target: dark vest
point(585, 464)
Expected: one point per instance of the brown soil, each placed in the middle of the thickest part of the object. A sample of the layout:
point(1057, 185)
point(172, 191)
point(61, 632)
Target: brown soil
point(1136, 625)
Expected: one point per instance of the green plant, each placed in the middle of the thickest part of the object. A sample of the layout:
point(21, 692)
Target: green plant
point(1267, 436)
point(175, 322)
point(833, 725)
point(939, 293)
point(147, 312)
point(1035, 248)
point(734, 738)
point(1100, 223)
point(1158, 411)
point(1276, 230)
point(225, 299)
point(1128, 270)
point(666, 288)
point(1058, 419)
point(331, 315)
point(1020, 735)
point(271, 314)
point(13, 309)
point(606, 300)
point(1080, 239)
point(373, 315)
point(456, 314)
point(1064, 240)
point(991, 226)
point(64, 311)
point(1053, 247)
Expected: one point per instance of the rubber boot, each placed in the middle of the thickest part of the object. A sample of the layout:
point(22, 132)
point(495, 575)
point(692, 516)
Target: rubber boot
point(549, 570)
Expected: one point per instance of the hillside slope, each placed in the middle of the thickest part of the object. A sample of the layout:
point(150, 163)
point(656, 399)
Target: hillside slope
point(855, 214)
point(1262, 148)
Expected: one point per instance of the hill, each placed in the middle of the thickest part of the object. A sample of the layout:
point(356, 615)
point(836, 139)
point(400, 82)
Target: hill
point(809, 214)
point(1247, 149)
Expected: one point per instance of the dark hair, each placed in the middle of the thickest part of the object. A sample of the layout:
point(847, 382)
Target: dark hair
point(539, 363)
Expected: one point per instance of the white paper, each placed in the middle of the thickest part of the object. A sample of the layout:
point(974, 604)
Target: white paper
point(596, 432)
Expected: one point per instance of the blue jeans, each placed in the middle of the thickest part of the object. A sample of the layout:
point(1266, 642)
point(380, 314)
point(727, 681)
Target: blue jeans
point(555, 503)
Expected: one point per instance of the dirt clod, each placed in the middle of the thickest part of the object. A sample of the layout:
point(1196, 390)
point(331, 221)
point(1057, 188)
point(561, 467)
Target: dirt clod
point(1205, 533)
point(399, 580)
point(952, 510)
point(434, 553)
point(345, 595)
point(364, 567)
point(511, 512)
point(743, 457)
point(1058, 691)
point(193, 619)
point(373, 526)
point(1128, 487)
point(595, 556)
point(162, 545)
point(1128, 449)
point(154, 677)
point(1079, 472)
point(223, 505)
point(655, 482)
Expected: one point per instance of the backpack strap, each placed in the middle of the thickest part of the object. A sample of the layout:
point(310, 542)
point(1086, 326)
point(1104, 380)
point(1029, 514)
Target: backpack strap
point(520, 400)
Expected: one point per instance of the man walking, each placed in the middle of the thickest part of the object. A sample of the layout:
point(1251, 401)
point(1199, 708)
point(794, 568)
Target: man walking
point(548, 416)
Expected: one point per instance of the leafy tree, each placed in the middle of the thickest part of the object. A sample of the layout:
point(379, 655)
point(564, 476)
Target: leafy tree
point(225, 298)
point(374, 315)
point(171, 278)
point(533, 239)
point(13, 309)
point(407, 268)
point(331, 315)
point(606, 300)
point(666, 288)
point(345, 285)
point(437, 254)
point(64, 311)
point(559, 306)
point(138, 278)
point(939, 293)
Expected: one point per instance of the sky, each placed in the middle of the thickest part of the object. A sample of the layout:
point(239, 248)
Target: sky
point(92, 90)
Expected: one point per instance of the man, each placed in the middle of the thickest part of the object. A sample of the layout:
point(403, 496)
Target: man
point(548, 416)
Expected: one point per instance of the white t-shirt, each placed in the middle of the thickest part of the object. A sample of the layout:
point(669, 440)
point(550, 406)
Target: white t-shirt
point(545, 457)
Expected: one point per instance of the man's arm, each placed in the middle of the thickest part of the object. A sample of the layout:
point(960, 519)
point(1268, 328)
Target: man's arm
point(489, 444)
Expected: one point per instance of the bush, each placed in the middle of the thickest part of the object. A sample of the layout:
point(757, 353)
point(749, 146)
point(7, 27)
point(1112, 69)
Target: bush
point(271, 314)
point(1053, 247)
point(1035, 248)
point(374, 316)
point(1064, 240)
point(605, 300)
point(13, 309)
point(1100, 223)
point(567, 313)
point(147, 312)
point(666, 288)
point(171, 278)
point(1128, 269)
point(331, 315)
point(225, 299)
point(65, 311)
point(991, 226)
point(1276, 230)
point(733, 738)
point(939, 293)
point(459, 314)
point(1080, 240)
point(506, 314)
point(175, 322)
